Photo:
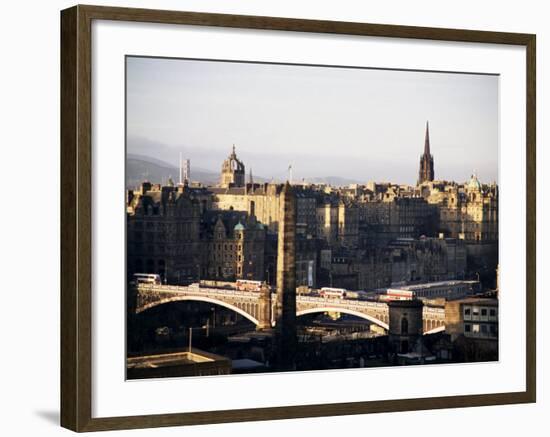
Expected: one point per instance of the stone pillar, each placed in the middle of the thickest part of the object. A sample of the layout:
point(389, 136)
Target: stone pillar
point(405, 322)
point(285, 317)
point(264, 313)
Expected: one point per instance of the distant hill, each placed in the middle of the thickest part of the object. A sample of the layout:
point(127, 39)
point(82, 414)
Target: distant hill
point(141, 167)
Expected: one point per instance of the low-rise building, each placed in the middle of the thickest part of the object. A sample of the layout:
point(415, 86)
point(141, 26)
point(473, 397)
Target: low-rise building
point(185, 363)
point(472, 317)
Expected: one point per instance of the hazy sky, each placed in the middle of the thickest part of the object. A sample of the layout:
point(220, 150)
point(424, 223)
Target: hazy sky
point(355, 123)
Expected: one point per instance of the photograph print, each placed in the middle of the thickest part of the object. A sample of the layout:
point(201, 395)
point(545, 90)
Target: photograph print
point(287, 217)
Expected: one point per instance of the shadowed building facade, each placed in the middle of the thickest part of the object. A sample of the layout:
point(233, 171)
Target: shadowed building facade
point(286, 283)
point(163, 228)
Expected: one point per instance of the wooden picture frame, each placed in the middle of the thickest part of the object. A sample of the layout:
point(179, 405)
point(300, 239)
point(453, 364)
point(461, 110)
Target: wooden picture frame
point(76, 217)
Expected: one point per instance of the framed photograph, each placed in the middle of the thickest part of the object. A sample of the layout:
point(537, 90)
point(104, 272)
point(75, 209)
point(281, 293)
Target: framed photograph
point(268, 218)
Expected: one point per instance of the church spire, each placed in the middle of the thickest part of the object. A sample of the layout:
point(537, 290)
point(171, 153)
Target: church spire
point(427, 140)
point(426, 171)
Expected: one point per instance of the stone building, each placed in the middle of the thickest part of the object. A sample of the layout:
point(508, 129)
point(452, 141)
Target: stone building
point(348, 223)
point(397, 217)
point(405, 317)
point(163, 228)
point(233, 171)
point(472, 325)
point(404, 260)
point(473, 318)
point(233, 246)
point(427, 259)
point(263, 201)
point(337, 220)
point(307, 254)
point(194, 362)
point(327, 220)
point(469, 212)
point(306, 212)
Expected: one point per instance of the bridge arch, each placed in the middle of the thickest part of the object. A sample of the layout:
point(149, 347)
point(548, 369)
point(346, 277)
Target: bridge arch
point(345, 311)
point(200, 299)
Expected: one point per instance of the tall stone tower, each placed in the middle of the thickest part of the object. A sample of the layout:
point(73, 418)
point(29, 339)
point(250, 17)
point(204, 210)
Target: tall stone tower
point(232, 171)
point(285, 316)
point(405, 325)
point(426, 172)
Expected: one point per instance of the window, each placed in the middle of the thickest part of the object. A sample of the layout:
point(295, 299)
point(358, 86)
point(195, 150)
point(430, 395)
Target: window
point(484, 329)
point(476, 311)
point(475, 329)
point(467, 311)
point(467, 327)
point(492, 312)
point(404, 326)
point(484, 312)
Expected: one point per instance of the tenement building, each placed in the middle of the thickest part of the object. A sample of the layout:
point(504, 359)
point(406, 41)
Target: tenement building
point(169, 235)
point(472, 325)
point(384, 219)
point(469, 212)
point(163, 232)
point(233, 246)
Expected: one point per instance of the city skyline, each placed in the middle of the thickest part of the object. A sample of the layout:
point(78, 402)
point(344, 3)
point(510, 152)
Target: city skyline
point(313, 110)
point(227, 274)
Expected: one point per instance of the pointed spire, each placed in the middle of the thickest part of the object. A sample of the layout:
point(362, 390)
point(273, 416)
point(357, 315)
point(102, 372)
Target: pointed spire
point(427, 140)
point(426, 171)
point(251, 179)
point(234, 153)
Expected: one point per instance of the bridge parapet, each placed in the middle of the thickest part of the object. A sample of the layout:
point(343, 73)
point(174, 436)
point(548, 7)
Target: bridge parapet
point(250, 304)
point(375, 312)
point(257, 306)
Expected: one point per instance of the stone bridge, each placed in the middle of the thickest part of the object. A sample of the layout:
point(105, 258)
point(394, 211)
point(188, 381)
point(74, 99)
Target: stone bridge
point(259, 306)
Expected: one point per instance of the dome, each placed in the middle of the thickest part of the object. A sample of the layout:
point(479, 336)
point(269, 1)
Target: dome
point(239, 227)
point(474, 183)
